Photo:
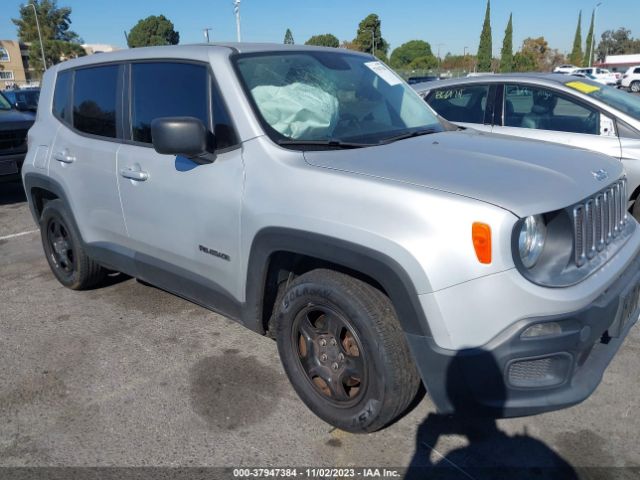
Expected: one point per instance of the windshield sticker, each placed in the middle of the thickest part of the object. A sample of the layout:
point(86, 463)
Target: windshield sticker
point(448, 94)
point(583, 87)
point(384, 73)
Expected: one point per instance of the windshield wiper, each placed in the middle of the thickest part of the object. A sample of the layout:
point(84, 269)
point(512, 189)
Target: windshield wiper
point(402, 136)
point(324, 143)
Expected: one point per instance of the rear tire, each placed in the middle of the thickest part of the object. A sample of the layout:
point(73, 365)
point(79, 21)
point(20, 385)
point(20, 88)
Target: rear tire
point(635, 87)
point(344, 351)
point(64, 250)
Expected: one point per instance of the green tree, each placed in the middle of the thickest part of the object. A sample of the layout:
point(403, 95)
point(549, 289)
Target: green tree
point(55, 22)
point(369, 37)
point(152, 31)
point(324, 40)
point(485, 48)
point(506, 55)
point(576, 53)
point(524, 62)
point(288, 38)
point(424, 63)
point(59, 41)
point(55, 51)
point(617, 42)
point(410, 51)
point(589, 47)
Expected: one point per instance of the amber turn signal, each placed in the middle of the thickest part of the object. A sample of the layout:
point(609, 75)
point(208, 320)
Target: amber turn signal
point(481, 236)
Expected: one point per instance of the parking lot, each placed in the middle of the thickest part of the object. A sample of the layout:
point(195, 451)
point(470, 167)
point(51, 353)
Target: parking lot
point(129, 375)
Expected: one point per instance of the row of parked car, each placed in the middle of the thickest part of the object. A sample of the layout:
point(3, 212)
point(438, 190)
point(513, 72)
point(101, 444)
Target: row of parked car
point(629, 80)
point(17, 114)
point(310, 194)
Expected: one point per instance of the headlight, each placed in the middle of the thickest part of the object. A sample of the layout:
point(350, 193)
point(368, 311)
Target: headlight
point(531, 240)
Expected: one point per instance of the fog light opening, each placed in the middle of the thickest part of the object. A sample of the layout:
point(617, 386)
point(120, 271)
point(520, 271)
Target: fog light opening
point(547, 329)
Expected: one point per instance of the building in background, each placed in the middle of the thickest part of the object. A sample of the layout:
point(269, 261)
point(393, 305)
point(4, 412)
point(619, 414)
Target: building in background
point(14, 63)
point(620, 63)
point(92, 48)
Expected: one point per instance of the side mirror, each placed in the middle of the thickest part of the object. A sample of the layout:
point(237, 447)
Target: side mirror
point(182, 136)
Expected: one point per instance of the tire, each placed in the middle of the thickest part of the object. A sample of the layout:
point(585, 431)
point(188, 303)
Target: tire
point(635, 87)
point(64, 250)
point(635, 210)
point(366, 378)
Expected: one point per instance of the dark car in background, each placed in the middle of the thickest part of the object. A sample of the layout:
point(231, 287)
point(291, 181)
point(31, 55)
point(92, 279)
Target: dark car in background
point(14, 126)
point(23, 99)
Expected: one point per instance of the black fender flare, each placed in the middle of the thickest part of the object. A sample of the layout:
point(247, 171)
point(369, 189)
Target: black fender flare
point(33, 180)
point(374, 264)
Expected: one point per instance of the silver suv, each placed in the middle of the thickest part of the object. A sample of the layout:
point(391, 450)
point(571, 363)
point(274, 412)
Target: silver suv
point(311, 195)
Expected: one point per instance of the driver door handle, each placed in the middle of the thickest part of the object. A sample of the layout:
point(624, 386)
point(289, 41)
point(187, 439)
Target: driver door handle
point(136, 175)
point(64, 157)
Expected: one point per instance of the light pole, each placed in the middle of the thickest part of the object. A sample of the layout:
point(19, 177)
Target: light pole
point(44, 59)
point(464, 58)
point(206, 33)
point(373, 41)
point(593, 36)
point(439, 45)
point(236, 10)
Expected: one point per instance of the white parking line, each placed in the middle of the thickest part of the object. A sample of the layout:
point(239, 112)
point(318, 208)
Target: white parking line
point(21, 234)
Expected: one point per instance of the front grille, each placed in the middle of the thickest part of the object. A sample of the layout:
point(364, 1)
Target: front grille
point(598, 220)
point(12, 139)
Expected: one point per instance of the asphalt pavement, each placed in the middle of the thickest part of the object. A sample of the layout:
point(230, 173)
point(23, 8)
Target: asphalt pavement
point(128, 375)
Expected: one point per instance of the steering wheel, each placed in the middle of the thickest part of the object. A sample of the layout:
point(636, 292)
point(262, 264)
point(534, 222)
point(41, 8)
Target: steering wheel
point(349, 122)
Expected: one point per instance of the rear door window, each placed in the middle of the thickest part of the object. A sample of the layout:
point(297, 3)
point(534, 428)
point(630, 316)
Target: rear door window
point(460, 104)
point(95, 100)
point(542, 109)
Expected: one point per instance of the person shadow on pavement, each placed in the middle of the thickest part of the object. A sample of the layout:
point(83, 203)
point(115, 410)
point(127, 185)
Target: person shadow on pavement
point(487, 452)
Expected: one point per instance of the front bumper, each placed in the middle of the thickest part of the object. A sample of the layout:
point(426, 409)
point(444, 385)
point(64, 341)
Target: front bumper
point(513, 376)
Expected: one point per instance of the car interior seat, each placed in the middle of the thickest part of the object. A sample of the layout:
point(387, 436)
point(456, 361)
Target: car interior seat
point(541, 112)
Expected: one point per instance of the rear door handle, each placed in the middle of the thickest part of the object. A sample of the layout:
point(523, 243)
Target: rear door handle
point(136, 175)
point(64, 157)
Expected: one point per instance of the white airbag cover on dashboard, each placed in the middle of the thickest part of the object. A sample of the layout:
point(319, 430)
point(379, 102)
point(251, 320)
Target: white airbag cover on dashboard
point(298, 110)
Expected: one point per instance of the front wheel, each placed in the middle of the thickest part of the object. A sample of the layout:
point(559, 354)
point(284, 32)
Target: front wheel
point(344, 352)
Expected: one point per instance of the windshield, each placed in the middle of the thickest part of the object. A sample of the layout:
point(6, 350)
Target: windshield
point(618, 99)
point(4, 103)
point(332, 97)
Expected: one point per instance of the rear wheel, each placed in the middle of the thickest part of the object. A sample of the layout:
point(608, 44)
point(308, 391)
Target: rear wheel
point(64, 251)
point(635, 87)
point(344, 351)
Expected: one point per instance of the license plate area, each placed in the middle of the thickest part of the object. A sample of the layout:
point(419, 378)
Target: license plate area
point(8, 168)
point(627, 310)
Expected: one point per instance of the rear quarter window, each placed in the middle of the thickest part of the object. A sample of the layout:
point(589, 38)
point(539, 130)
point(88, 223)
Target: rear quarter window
point(460, 104)
point(61, 104)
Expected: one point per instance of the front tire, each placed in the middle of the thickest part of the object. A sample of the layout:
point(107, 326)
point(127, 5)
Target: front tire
point(344, 351)
point(64, 250)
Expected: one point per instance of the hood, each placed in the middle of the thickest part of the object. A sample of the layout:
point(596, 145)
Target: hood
point(523, 176)
point(11, 119)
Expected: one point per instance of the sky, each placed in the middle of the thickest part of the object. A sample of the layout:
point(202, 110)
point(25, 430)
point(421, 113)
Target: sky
point(448, 25)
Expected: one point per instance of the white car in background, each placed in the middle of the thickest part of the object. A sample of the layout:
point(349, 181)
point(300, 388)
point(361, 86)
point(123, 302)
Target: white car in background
point(555, 108)
point(600, 75)
point(566, 69)
point(631, 79)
